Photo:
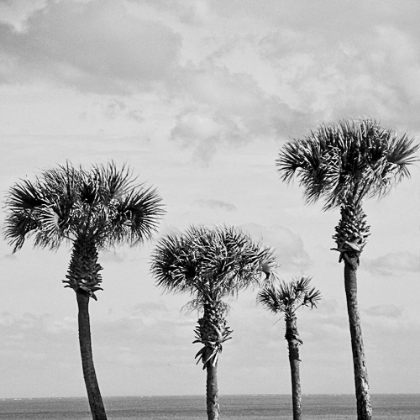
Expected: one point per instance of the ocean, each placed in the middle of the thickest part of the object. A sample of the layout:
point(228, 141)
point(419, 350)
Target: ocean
point(232, 407)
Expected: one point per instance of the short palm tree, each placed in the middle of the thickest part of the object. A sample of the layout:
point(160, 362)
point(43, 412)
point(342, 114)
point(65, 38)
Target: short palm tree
point(93, 210)
point(345, 163)
point(210, 265)
point(287, 298)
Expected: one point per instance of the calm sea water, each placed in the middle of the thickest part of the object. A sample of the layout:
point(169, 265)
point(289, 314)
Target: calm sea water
point(250, 407)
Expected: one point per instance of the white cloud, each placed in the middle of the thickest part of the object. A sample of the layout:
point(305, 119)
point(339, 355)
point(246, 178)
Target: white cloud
point(272, 75)
point(94, 46)
point(288, 247)
point(16, 12)
point(216, 204)
point(393, 263)
point(387, 311)
point(193, 127)
point(113, 256)
point(225, 108)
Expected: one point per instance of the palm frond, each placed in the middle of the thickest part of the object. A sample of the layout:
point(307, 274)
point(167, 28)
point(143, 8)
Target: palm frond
point(25, 196)
point(308, 296)
point(116, 183)
point(401, 152)
point(18, 226)
point(347, 161)
point(270, 298)
point(23, 202)
point(174, 264)
point(49, 233)
point(140, 210)
point(208, 263)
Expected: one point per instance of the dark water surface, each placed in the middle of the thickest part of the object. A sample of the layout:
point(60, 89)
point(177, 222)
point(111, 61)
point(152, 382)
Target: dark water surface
point(250, 407)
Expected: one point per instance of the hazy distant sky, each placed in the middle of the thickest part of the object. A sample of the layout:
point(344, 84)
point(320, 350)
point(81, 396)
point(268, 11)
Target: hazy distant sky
point(198, 96)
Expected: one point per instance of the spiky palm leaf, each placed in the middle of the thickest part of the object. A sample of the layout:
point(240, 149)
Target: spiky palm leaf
point(288, 297)
point(347, 161)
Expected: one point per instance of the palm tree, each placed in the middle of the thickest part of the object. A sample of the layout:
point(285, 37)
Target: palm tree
point(287, 298)
point(210, 265)
point(344, 163)
point(93, 210)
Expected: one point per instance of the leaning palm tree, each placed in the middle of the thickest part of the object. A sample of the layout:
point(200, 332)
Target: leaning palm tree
point(344, 163)
point(210, 265)
point(287, 298)
point(92, 210)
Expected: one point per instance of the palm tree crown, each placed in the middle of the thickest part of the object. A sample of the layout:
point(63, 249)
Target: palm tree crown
point(67, 202)
point(288, 297)
point(209, 263)
point(347, 161)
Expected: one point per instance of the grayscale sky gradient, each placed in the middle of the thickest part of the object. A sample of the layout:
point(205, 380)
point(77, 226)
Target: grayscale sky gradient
point(198, 96)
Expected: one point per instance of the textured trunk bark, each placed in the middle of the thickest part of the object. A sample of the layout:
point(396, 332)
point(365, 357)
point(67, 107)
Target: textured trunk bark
point(364, 409)
point(94, 395)
point(291, 334)
point(212, 393)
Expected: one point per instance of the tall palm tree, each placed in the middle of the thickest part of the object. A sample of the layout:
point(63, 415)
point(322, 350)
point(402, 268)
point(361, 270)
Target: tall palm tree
point(93, 210)
point(344, 163)
point(287, 298)
point(210, 265)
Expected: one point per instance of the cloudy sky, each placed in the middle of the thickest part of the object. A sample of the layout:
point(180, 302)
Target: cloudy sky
point(198, 96)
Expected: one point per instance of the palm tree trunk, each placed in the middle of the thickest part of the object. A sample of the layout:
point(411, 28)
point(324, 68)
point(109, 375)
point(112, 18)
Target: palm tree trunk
point(364, 409)
point(212, 392)
point(291, 335)
point(94, 395)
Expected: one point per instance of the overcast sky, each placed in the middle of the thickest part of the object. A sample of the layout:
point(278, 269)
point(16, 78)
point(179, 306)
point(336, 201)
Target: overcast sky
point(198, 96)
